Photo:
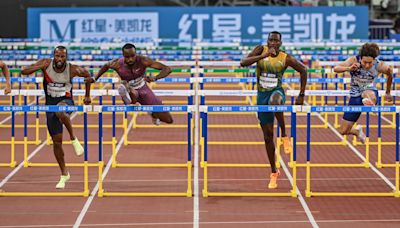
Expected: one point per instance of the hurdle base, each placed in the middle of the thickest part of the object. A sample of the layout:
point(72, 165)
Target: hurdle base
point(156, 143)
point(326, 165)
point(228, 165)
point(85, 193)
point(248, 194)
point(160, 126)
point(373, 194)
point(30, 164)
point(11, 164)
point(150, 165)
point(145, 194)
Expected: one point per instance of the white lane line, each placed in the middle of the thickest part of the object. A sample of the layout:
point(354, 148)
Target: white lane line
point(208, 223)
point(15, 170)
point(9, 117)
point(212, 179)
point(358, 153)
point(196, 192)
point(300, 196)
point(21, 165)
point(96, 188)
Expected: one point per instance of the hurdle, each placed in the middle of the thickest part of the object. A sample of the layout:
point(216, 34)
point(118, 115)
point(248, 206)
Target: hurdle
point(253, 93)
point(183, 93)
point(343, 142)
point(26, 161)
point(85, 164)
point(37, 93)
point(340, 93)
point(26, 93)
point(188, 165)
point(368, 109)
point(172, 81)
point(205, 142)
point(380, 80)
point(12, 142)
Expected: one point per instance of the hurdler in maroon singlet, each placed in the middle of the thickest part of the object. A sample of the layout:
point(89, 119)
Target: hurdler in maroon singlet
point(135, 78)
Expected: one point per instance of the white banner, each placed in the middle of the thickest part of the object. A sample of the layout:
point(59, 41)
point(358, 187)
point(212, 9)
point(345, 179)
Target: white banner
point(100, 25)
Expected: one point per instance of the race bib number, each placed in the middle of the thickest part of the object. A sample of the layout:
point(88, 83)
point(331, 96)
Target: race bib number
point(136, 83)
point(268, 81)
point(363, 83)
point(56, 89)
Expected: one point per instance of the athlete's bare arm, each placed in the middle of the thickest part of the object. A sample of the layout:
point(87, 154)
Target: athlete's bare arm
point(350, 64)
point(112, 64)
point(302, 69)
point(82, 72)
point(6, 74)
point(388, 70)
point(164, 70)
point(39, 65)
point(254, 56)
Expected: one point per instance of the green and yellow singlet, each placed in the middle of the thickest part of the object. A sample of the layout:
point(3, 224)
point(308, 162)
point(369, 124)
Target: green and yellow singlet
point(270, 71)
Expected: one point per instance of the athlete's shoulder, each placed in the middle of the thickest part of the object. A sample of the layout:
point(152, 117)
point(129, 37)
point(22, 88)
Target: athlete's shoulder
point(145, 60)
point(114, 63)
point(260, 48)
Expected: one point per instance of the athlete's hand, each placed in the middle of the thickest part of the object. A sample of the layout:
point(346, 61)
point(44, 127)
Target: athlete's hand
point(388, 97)
point(89, 80)
point(264, 55)
point(271, 52)
point(87, 100)
point(7, 90)
point(299, 100)
point(354, 67)
point(151, 78)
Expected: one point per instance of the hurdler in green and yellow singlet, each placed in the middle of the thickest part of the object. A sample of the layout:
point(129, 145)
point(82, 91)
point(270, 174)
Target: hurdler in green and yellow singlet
point(270, 71)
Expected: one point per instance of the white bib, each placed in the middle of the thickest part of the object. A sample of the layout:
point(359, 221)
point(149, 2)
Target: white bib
point(136, 83)
point(56, 89)
point(268, 81)
point(363, 82)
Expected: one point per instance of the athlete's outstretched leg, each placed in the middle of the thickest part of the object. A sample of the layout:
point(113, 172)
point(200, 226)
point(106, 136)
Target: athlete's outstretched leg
point(277, 99)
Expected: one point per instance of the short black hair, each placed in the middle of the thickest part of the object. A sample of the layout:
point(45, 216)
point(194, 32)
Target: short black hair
point(369, 49)
point(60, 47)
point(275, 32)
point(128, 46)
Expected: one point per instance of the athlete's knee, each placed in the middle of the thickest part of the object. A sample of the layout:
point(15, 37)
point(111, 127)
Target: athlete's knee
point(268, 136)
point(61, 115)
point(275, 102)
point(57, 143)
point(268, 139)
point(276, 99)
point(369, 97)
point(169, 120)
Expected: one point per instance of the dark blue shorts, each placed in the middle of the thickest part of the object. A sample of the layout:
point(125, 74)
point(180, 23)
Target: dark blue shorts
point(263, 98)
point(353, 116)
point(54, 125)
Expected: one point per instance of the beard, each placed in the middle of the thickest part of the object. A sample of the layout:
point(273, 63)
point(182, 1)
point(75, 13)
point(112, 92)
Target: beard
point(59, 65)
point(130, 64)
